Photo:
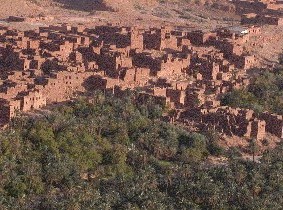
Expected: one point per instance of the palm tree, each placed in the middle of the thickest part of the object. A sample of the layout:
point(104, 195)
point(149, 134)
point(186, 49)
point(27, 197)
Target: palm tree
point(253, 148)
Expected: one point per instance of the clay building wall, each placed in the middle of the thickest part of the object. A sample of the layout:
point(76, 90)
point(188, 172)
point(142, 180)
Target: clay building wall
point(11, 58)
point(224, 76)
point(200, 38)
point(152, 40)
point(255, 30)
point(136, 75)
point(5, 114)
point(258, 129)
point(106, 57)
point(172, 65)
point(122, 40)
point(63, 85)
point(262, 19)
point(226, 67)
point(183, 43)
point(97, 82)
point(63, 28)
point(275, 6)
point(272, 20)
point(226, 120)
point(169, 40)
point(169, 43)
point(50, 46)
point(78, 40)
point(274, 123)
point(180, 85)
point(142, 75)
point(193, 99)
point(207, 69)
point(129, 75)
point(8, 110)
point(32, 34)
point(159, 91)
point(55, 36)
point(145, 60)
point(104, 29)
point(76, 57)
point(96, 46)
point(9, 92)
point(250, 6)
point(112, 61)
point(229, 48)
point(32, 100)
point(33, 44)
point(78, 29)
point(112, 64)
point(23, 64)
point(177, 97)
point(91, 65)
point(245, 61)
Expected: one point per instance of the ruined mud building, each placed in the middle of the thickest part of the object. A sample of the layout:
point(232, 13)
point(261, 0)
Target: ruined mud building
point(185, 70)
point(269, 12)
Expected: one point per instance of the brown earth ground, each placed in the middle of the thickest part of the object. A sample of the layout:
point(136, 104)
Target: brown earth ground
point(126, 12)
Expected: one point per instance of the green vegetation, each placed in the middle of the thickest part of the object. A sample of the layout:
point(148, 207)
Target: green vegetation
point(114, 154)
point(264, 94)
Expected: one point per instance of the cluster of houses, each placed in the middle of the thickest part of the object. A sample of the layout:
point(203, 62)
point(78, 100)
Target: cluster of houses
point(268, 12)
point(187, 71)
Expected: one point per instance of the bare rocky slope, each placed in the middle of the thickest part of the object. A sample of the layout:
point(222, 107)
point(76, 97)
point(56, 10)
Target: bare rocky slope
point(33, 7)
point(19, 7)
point(200, 14)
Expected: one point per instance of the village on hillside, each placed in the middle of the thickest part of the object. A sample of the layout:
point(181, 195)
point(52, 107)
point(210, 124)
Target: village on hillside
point(186, 70)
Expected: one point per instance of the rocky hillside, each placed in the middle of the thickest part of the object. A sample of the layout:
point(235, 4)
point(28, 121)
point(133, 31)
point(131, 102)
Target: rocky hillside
point(200, 14)
point(29, 7)
point(120, 4)
point(19, 7)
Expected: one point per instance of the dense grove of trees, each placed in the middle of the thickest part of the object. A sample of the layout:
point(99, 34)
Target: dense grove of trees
point(264, 94)
point(114, 154)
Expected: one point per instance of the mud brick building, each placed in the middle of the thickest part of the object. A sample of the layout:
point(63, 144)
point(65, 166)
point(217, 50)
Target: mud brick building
point(274, 123)
point(226, 120)
point(184, 70)
point(263, 12)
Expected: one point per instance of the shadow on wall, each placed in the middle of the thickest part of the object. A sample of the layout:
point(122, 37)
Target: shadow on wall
point(94, 83)
point(280, 58)
point(85, 5)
